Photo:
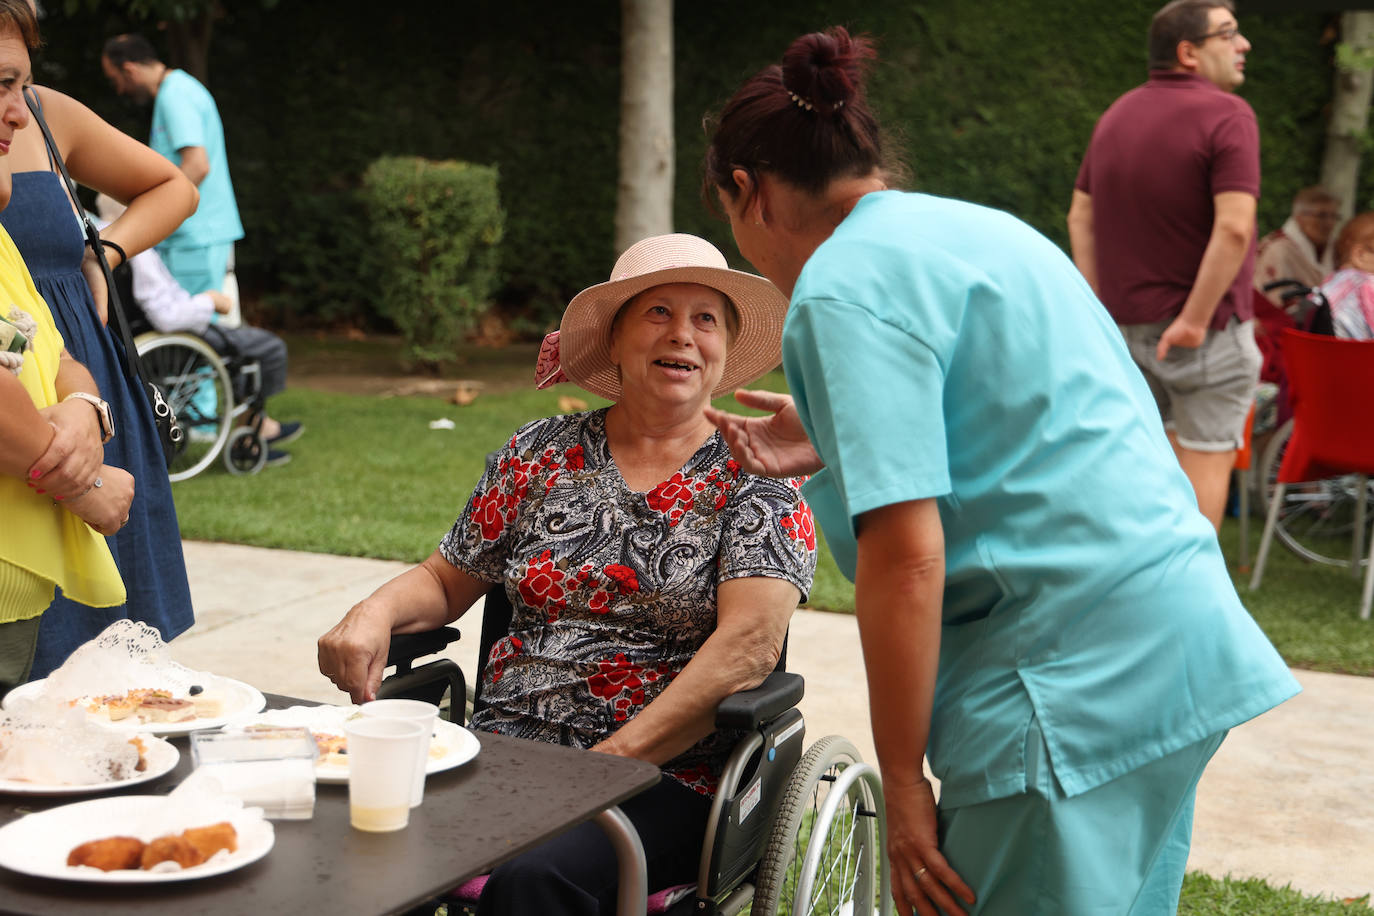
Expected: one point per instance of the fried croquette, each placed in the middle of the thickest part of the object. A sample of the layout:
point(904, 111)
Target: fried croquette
point(173, 848)
point(209, 840)
point(189, 848)
point(110, 854)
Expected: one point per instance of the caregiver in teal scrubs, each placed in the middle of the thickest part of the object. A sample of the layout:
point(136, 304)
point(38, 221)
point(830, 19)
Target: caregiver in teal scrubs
point(1042, 608)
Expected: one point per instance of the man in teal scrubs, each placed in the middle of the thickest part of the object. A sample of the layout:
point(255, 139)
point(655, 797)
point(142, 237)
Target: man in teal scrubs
point(187, 130)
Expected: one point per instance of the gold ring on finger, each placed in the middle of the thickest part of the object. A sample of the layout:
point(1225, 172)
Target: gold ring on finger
point(921, 872)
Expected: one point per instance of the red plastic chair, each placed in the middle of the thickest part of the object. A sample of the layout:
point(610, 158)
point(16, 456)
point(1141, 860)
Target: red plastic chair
point(1333, 432)
point(1244, 459)
point(1270, 322)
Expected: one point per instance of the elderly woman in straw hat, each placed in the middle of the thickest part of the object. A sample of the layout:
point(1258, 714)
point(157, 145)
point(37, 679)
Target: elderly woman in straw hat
point(650, 577)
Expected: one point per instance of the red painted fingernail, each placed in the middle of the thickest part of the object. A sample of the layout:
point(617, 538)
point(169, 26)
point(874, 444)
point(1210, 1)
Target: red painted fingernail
point(34, 475)
point(59, 498)
point(42, 491)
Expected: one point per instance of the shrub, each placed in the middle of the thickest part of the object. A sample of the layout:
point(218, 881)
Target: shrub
point(436, 230)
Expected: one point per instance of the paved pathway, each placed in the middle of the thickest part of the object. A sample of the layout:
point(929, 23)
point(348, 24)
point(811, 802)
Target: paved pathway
point(1289, 797)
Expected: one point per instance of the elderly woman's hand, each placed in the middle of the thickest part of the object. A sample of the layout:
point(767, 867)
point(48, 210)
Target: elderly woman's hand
point(106, 507)
point(353, 653)
point(74, 456)
point(773, 446)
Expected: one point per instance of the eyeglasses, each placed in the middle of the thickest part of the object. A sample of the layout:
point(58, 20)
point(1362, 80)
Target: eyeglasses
point(1321, 215)
point(1230, 33)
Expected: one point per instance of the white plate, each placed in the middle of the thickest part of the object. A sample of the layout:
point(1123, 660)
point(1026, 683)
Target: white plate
point(39, 843)
point(240, 700)
point(161, 757)
point(456, 745)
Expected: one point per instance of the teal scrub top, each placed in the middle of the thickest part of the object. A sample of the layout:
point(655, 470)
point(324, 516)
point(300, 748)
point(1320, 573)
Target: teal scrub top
point(938, 349)
point(184, 114)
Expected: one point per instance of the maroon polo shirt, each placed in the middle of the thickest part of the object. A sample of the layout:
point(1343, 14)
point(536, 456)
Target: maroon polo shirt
point(1158, 157)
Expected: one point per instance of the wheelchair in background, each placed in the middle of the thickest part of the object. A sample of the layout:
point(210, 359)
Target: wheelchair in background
point(212, 395)
point(788, 832)
point(1318, 519)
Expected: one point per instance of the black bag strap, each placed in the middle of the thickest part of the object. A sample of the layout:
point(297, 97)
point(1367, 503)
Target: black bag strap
point(133, 366)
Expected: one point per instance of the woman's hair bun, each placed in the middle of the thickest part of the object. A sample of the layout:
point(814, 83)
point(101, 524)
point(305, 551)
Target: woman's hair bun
point(826, 70)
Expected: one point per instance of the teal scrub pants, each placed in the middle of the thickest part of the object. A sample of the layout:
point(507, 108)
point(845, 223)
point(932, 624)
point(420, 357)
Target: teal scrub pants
point(198, 269)
point(1120, 848)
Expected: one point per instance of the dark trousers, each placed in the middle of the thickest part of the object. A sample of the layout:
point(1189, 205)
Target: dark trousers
point(257, 344)
point(574, 874)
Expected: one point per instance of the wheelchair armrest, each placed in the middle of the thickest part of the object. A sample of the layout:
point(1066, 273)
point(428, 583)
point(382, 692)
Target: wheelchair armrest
point(406, 647)
point(749, 709)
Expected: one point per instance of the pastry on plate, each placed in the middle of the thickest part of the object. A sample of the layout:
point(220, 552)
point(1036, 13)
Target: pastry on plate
point(166, 709)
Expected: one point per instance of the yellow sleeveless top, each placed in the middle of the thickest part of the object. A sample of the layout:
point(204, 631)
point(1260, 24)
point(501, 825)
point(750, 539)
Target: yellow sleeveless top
point(36, 535)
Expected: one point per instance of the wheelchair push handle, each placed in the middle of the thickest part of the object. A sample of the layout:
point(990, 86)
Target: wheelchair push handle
point(1297, 288)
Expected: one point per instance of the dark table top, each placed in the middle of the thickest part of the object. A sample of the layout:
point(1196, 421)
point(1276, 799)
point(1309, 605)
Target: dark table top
point(514, 795)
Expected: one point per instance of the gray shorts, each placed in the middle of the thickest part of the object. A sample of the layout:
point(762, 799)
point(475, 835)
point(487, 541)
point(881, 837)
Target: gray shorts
point(1204, 394)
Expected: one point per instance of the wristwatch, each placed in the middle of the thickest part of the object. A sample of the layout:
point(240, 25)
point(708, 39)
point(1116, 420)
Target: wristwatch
point(102, 412)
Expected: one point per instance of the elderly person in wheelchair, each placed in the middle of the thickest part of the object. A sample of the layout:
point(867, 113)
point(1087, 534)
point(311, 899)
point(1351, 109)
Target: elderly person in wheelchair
point(169, 309)
point(650, 577)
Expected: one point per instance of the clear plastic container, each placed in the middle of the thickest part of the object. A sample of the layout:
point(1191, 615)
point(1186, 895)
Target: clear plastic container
point(270, 767)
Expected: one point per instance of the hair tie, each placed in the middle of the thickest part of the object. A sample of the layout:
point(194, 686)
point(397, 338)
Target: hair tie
point(809, 106)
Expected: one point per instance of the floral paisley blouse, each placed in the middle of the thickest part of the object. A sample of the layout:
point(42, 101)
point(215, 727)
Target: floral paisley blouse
point(614, 590)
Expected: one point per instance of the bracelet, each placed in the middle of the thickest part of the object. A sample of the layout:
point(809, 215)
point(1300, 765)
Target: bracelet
point(123, 258)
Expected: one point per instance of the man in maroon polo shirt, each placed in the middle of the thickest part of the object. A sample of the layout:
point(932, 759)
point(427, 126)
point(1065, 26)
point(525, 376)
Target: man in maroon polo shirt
point(1162, 225)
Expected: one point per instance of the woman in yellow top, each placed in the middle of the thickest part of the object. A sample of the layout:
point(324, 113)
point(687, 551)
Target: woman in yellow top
point(52, 426)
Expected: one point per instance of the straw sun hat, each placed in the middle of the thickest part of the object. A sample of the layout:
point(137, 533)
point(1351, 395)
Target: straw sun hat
point(584, 337)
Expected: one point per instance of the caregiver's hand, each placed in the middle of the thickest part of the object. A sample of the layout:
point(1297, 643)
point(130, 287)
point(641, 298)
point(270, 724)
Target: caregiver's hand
point(773, 446)
point(921, 878)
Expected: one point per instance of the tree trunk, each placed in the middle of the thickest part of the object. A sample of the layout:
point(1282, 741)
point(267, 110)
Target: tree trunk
point(188, 43)
point(1349, 108)
point(644, 202)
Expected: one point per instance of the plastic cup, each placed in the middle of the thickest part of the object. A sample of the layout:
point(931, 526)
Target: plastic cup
point(416, 711)
point(381, 764)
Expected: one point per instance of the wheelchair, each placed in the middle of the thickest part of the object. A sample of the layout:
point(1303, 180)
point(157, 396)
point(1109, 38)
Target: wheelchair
point(788, 832)
point(1318, 519)
point(210, 394)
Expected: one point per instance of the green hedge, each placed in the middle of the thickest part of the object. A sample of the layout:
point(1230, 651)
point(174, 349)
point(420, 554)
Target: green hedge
point(436, 232)
point(996, 100)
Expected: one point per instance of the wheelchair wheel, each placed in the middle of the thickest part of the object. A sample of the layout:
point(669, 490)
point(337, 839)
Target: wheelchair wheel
point(197, 386)
point(825, 854)
point(1317, 519)
point(246, 452)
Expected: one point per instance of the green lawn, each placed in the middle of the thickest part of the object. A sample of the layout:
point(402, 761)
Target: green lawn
point(1207, 896)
